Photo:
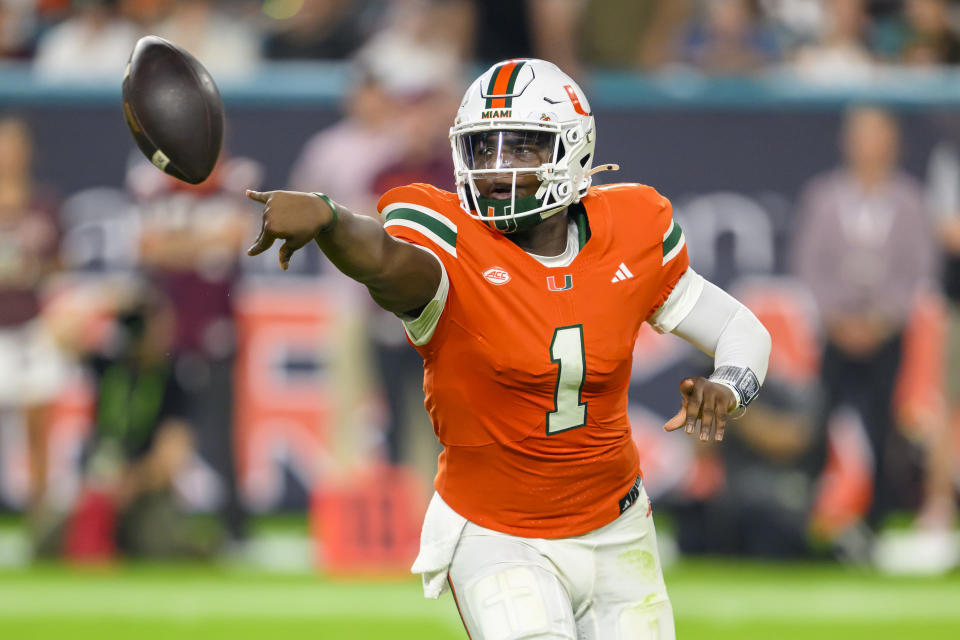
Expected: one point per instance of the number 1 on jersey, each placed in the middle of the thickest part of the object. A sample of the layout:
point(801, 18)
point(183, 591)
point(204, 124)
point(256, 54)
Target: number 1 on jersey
point(566, 349)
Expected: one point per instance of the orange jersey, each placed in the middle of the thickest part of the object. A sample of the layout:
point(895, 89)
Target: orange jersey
point(526, 374)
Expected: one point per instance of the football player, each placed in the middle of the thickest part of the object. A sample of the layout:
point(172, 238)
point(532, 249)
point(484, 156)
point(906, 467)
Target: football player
point(524, 293)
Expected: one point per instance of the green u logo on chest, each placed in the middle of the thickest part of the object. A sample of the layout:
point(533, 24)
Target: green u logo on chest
point(567, 283)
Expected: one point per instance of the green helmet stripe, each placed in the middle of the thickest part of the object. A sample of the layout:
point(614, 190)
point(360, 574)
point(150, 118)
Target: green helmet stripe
point(512, 82)
point(493, 83)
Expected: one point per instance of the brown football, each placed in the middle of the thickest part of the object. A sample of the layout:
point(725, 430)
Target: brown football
point(173, 109)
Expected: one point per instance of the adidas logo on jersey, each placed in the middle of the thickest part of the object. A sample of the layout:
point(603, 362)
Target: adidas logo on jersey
point(622, 274)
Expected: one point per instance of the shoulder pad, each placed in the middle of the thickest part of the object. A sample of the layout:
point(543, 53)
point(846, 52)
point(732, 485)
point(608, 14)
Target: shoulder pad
point(425, 195)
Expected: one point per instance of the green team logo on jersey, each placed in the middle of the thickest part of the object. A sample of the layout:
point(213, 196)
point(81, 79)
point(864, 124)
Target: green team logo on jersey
point(567, 283)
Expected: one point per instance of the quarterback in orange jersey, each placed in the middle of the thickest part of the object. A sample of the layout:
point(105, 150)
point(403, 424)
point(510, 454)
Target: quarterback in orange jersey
point(524, 292)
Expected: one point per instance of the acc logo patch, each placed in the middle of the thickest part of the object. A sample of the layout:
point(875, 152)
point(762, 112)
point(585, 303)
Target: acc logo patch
point(496, 275)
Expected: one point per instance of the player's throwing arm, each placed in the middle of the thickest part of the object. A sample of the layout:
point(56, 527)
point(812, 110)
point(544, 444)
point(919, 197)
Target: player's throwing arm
point(400, 277)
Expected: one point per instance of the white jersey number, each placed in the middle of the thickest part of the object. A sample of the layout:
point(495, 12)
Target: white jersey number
point(566, 349)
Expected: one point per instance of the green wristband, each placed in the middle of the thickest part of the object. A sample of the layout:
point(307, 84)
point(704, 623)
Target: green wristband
point(329, 226)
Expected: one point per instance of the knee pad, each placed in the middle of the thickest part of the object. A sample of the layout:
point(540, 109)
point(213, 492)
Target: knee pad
point(518, 602)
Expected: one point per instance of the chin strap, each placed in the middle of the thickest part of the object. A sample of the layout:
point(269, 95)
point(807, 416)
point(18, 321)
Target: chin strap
point(603, 167)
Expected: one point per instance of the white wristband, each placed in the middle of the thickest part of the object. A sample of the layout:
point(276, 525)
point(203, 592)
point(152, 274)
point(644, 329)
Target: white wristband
point(741, 380)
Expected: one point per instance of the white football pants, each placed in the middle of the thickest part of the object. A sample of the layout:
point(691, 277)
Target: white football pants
point(603, 585)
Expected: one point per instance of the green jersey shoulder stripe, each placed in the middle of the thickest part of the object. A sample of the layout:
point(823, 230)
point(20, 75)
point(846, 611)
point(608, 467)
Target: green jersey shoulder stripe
point(428, 222)
point(673, 242)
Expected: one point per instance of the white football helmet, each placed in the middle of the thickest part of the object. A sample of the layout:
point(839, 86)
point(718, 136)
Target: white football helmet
point(522, 117)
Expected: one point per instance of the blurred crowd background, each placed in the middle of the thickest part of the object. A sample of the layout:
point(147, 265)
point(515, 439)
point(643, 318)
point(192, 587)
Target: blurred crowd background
point(160, 393)
point(836, 40)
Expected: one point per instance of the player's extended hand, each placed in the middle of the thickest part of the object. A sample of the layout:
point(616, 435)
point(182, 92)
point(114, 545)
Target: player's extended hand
point(291, 216)
point(706, 404)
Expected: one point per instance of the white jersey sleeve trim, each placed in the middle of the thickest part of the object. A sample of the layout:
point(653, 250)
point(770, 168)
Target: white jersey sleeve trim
point(421, 328)
point(424, 220)
point(430, 213)
point(672, 245)
point(679, 303)
point(409, 224)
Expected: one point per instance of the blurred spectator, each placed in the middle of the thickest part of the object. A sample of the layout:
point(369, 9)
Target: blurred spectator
point(427, 97)
point(630, 34)
point(841, 54)
point(141, 438)
point(931, 38)
point(190, 245)
point(796, 22)
point(922, 36)
point(494, 38)
point(225, 46)
point(394, 132)
point(18, 26)
point(944, 193)
point(322, 29)
point(53, 10)
point(535, 28)
point(418, 29)
point(770, 475)
point(145, 13)
point(31, 368)
point(865, 247)
point(424, 157)
point(729, 39)
point(94, 42)
point(346, 156)
point(398, 107)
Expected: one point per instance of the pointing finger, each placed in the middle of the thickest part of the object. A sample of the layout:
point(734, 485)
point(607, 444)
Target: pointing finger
point(258, 196)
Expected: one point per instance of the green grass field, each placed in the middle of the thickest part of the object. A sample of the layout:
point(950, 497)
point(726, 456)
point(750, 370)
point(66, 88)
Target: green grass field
point(712, 600)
